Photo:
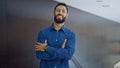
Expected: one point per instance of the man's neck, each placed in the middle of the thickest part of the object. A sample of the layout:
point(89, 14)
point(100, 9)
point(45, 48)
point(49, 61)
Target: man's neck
point(58, 26)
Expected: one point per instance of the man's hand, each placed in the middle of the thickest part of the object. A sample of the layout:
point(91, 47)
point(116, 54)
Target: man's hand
point(64, 43)
point(40, 46)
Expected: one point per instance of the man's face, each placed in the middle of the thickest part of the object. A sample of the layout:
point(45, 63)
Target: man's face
point(60, 14)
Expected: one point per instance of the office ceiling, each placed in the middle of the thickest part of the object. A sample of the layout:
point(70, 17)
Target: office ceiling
point(108, 9)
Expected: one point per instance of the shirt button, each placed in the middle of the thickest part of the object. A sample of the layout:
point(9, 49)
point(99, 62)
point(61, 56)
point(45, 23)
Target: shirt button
point(56, 40)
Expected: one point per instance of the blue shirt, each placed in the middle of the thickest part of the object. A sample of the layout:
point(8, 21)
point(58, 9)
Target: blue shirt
point(55, 56)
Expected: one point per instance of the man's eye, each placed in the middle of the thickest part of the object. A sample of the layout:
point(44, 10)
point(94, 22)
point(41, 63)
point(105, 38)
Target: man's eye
point(58, 10)
point(63, 11)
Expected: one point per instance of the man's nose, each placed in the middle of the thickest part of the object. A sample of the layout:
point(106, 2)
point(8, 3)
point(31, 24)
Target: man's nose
point(60, 12)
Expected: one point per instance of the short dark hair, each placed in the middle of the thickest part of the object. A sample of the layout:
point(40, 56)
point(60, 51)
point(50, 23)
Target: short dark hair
point(63, 4)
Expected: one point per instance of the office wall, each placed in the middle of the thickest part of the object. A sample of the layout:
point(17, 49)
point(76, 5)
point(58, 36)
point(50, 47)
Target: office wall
point(3, 44)
point(98, 39)
point(98, 44)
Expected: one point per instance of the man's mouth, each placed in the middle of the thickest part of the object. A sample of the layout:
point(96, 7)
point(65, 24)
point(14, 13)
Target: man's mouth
point(59, 15)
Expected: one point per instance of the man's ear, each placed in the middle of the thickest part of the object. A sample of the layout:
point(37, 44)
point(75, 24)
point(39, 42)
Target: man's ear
point(67, 16)
point(53, 13)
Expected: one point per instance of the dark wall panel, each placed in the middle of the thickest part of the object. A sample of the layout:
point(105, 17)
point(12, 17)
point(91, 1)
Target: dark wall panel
point(3, 30)
point(21, 40)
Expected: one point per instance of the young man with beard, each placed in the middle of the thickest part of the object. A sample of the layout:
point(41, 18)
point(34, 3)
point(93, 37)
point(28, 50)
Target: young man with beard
point(56, 44)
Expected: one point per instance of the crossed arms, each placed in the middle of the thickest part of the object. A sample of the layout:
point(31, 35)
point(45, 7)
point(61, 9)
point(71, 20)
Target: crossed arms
point(65, 52)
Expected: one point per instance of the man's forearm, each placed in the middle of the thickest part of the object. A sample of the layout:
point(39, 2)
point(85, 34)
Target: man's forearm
point(60, 52)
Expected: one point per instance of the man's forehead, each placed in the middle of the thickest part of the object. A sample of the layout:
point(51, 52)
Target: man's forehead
point(61, 7)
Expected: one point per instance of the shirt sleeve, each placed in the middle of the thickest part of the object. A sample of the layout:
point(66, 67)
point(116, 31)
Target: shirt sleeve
point(63, 53)
point(43, 55)
point(40, 54)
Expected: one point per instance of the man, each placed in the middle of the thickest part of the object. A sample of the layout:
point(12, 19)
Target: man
point(56, 44)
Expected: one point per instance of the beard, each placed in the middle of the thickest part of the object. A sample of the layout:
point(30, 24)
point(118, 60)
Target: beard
point(58, 20)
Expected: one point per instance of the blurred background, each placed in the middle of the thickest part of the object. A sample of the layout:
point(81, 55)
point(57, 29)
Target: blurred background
point(98, 36)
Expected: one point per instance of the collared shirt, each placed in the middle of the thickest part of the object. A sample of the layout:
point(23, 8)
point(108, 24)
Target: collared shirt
point(55, 56)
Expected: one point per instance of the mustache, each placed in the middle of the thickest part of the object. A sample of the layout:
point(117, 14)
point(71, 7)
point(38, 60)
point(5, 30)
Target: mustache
point(60, 15)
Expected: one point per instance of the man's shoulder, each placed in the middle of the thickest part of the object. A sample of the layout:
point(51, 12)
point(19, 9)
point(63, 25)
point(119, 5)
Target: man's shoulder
point(69, 31)
point(45, 29)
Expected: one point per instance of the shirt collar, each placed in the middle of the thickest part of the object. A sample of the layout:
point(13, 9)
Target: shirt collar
point(62, 29)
